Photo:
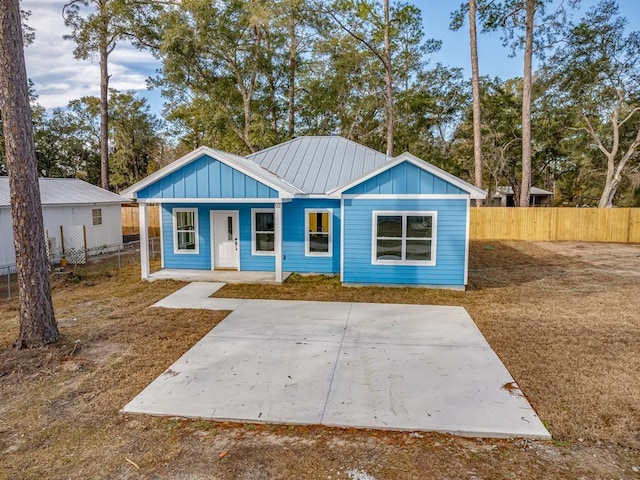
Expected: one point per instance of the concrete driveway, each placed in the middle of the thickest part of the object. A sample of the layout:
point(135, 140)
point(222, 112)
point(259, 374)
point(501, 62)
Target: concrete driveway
point(383, 366)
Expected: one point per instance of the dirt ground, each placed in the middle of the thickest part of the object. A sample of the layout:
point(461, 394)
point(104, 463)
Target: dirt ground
point(563, 317)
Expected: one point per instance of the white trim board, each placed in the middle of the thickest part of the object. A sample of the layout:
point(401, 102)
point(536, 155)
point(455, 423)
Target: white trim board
point(408, 196)
point(212, 200)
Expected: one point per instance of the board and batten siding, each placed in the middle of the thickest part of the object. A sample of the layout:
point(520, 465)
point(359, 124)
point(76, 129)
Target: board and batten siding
point(450, 248)
point(204, 178)
point(202, 259)
point(405, 178)
point(293, 248)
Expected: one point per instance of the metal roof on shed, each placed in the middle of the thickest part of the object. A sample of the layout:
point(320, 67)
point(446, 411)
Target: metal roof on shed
point(64, 191)
point(317, 165)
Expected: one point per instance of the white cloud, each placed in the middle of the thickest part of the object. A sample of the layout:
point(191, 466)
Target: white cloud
point(58, 77)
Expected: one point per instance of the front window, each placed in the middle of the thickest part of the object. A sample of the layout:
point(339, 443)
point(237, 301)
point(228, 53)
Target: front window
point(185, 230)
point(318, 225)
point(263, 227)
point(96, 216)
point(404, 238)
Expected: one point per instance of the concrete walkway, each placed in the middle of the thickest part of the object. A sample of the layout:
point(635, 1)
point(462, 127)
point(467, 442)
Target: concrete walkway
point(383, 366)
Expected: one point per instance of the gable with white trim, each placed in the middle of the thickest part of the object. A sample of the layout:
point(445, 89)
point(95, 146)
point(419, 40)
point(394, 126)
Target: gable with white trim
point(206, 177)
point(403, 179)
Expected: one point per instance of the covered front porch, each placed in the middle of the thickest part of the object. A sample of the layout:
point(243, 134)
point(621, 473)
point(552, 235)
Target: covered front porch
point(225, 276)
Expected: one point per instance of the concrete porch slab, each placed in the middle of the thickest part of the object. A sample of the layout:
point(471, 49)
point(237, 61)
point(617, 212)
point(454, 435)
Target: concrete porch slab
point(225, 276)
point(397, 367)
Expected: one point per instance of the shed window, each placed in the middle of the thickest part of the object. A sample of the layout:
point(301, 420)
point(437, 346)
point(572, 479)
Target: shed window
point(318, 228)
point(185, 230)
point(404, 238)
point(96, 216)
point(263, 231)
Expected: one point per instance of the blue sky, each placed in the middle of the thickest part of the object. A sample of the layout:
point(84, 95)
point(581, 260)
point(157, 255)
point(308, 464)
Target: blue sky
point(58, 77)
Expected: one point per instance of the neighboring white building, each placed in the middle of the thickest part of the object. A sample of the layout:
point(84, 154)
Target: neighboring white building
point(504, 197)
point(72, 210)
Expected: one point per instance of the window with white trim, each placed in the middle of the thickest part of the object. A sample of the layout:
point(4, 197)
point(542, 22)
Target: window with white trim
point(96, 216)
point(404, 238)
point(263, 231)
point(318, 231)
point(185, 230)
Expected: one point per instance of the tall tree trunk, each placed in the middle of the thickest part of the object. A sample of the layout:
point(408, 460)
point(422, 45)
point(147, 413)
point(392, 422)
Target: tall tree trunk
point(388, 80)
point(475, 87)
point(37, 321)
point(104, 113)
point(525, 185)
point(293, 67)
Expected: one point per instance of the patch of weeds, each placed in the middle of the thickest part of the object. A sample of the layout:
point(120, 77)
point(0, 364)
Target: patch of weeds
point(204, 426)
point(76, 277)
point(247, 427)
point(172, 424)
point(561, 443)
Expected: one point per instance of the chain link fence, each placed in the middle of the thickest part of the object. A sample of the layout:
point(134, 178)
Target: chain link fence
point(109, 256)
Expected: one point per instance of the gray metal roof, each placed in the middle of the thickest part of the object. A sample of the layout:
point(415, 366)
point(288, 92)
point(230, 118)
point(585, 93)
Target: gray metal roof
point(64, 191)
point(534, 191)
point(317, 165)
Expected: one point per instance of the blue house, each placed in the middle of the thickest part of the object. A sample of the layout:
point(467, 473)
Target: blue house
point(312, 205)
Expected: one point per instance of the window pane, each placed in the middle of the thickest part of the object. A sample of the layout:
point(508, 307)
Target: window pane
point(389, 250)
point(229, 227)
point(186, 241)
point(318, 222)
point(319, 243)
point(264, 222)
point(389, 226)
point(419, 226)
point(419, 250)
point(96, 214)
point(185, 220)
point(264, 242)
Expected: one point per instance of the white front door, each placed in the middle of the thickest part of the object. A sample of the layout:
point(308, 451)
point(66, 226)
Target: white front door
point(225, 242)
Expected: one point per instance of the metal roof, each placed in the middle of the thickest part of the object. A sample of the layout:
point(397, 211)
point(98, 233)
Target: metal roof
point(317, 165)
point(534, 191)
point(64, 191)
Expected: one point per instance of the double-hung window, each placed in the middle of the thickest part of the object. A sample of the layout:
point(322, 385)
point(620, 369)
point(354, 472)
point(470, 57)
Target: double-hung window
point(318, 228)
point(404, 238)
point(263, 231)
point(185, 230)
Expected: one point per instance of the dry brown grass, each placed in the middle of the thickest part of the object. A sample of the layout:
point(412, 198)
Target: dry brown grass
point(566, 328)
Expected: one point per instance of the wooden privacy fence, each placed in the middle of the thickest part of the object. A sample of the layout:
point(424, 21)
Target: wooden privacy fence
point(621, 225)
point(131, 221)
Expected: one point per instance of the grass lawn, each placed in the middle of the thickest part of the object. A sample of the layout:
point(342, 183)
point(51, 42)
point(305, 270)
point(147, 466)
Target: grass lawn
point(563, 318)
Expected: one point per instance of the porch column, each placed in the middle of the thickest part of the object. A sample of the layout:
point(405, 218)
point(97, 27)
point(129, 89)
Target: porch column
point(277, 226)
point(144, 240)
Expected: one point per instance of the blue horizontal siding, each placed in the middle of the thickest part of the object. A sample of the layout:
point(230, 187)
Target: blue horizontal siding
point(204, 178)
point(293, 248)
point(405, 178)
point(450, 247)
point(202, 260)
point(294, 238)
